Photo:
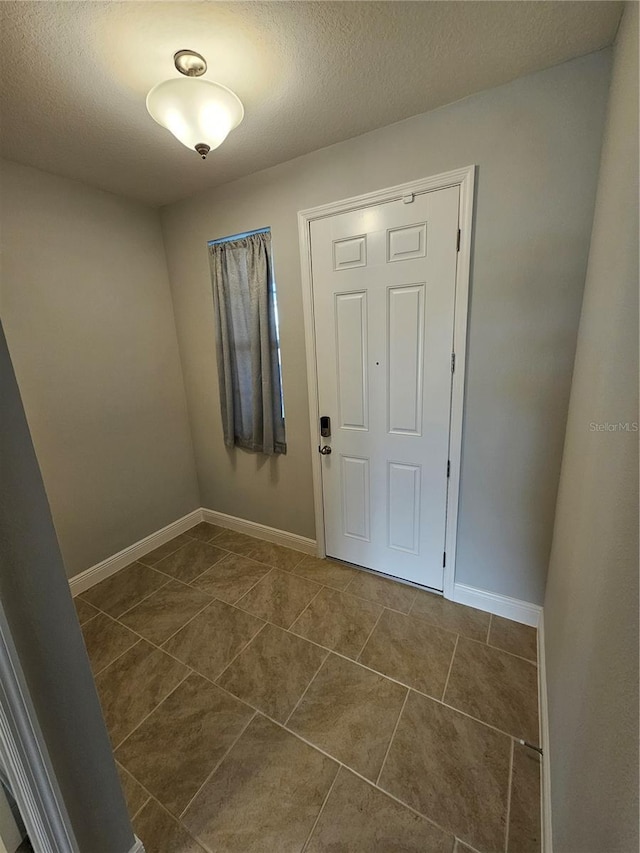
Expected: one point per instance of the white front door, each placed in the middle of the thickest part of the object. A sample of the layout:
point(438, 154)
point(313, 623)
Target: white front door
point(384, 298)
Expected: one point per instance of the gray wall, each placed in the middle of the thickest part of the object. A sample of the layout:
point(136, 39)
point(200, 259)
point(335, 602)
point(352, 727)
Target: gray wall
point(591, 604)
point(87, 313)
point(537, 144)
point(37, 603)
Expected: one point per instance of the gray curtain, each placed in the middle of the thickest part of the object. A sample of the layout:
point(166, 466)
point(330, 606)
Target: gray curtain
point(247, 345)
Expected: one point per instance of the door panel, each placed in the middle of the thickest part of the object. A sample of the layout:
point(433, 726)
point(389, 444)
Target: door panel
point(383, 291)
point(351, 346)
point(405, 341)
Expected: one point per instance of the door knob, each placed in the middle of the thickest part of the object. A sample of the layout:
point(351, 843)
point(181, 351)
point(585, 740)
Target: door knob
point(325, 451)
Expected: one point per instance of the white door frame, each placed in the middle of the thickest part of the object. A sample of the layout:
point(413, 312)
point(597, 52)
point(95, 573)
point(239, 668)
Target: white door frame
point(25, 758)
point(463, 178)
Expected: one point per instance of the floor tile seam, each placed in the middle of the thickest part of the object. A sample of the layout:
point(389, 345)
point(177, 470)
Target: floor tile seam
point(330, 651)
point(370, 634)
point(150, 796)
point(441, 627)
point(393, 734)
point(303, 554)
point(394, 680)
point(258, 712)
point(331, 589)
point(358, 774)
point(177, 631)
point(311, 580)
point(475, 719)
point(160, 588)
point(97, 672)
point(513, 654)
point(238, 653)
point(489, 629)
point(176, 820)
point(503, 651)
point(90, 619)
point(117, 658)
point(305, 578)
point(102, 610)
point(304, 692)
point(253, 586)
point(146, 716)
point(446, 684)
point(170, 554)
point(466, 843)
point(299, 616)
point(199, 575)
point(215, 768)
point(379, 603)
point(509, 790)
point(318, 816)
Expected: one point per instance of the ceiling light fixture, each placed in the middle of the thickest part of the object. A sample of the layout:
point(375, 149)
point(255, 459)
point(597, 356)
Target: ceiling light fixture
point(199, 113)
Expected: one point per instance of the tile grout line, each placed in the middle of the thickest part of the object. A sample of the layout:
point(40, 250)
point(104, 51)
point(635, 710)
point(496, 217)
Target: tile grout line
point(135, 779)
point(146, 716)
point(510, 786)
point(304, 692)
point(253, 586)
point(117, 658)
point(489, 629)
point(239, 652)
point(177, 631)
point(174, 819)
point(393, 734)
point(330, 651)
point(446, 684)
point(358, 774)
point(370, 634)
point(318, 816)
point(501, 651)
point(258, 711)
point(218, 763)
point(303, 611)
point(144, 598)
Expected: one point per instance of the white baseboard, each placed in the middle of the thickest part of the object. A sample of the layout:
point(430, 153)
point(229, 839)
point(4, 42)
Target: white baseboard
point(261, 531)
point(90, 577)
point(138, 847)
point(543, 709)
point(500, 605)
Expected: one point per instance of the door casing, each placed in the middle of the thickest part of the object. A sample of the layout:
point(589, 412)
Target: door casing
point(464, 179)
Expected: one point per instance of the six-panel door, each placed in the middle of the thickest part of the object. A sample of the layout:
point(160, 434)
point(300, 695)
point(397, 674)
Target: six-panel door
point(384, 289)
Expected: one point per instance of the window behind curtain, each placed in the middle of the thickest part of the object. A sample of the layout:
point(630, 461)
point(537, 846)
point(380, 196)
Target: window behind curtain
point(249, 362)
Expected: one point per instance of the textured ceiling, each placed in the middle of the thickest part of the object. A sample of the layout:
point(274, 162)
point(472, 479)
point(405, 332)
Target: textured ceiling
point(74, 76)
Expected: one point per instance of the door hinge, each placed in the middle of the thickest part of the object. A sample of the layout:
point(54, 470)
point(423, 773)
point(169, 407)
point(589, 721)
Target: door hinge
point(453, 362)
point(458, 243)
point(448, 467)
point(444, 559)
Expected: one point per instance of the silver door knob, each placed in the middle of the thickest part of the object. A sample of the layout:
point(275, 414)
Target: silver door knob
point(326, 450)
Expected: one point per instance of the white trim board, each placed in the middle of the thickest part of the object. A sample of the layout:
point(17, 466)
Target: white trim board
point(543, 713)
point(260, 531)
point(500, 605)
point(93, 575)
point(463, 178)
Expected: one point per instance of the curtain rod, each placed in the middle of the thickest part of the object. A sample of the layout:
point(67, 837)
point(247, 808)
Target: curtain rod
point(238, 236)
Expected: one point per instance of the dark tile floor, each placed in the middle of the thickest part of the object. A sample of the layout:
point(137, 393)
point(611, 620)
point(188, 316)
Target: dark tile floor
point(263, 701)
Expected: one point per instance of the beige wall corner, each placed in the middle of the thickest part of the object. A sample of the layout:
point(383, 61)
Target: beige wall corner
point(87, 312)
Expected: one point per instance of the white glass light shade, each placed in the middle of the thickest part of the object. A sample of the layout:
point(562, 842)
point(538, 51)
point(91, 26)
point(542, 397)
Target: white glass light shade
point(196, 111)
